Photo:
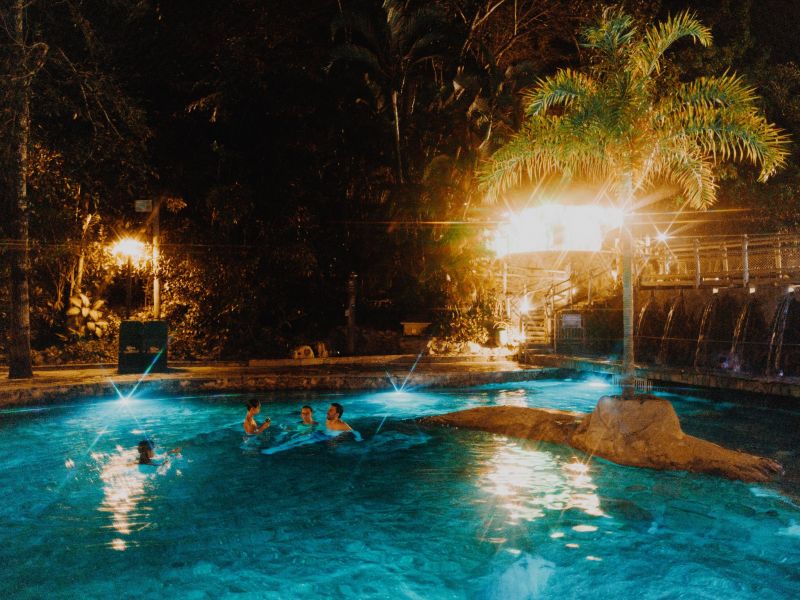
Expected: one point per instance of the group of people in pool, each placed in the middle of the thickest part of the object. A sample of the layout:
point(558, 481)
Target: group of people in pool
point(333, 422)
point(333, 418)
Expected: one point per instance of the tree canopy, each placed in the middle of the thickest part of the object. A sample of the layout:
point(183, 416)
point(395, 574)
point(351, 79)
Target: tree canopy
point(271, 136)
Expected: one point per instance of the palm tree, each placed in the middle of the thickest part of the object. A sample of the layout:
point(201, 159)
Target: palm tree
point(622, 123)
point(391, 43)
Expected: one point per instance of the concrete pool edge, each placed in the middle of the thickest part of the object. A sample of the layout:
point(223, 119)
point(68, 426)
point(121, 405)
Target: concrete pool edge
point(57, 385)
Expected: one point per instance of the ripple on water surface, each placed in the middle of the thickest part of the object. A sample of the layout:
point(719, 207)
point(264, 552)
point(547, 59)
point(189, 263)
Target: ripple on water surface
point(407, 512)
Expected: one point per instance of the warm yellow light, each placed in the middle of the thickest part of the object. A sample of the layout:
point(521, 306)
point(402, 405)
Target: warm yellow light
point(524, 305)
point(662, 236)
point(556, 227)
point(126, 249)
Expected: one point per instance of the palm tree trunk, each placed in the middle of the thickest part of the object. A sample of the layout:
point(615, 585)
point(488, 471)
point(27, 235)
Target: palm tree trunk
point(19, 347)
point(397, 137)
point(628, 366)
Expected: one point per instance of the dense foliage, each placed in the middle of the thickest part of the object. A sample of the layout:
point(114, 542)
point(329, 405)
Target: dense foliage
point(289, 148)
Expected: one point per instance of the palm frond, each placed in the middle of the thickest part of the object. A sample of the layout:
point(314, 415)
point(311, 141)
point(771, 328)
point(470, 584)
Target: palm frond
point(545, 148)
point(562, 89)
point(368, 28)
point(646, 57)
point(610, 36)
point(743, 136)
point(517, 159)
point(727, 90)
point(616, 125)
point(350, 53)
point(682, 164)
point(428, 46)
point(721, 115)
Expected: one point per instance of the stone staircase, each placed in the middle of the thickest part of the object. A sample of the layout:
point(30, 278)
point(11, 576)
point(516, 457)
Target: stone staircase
point(535, 324)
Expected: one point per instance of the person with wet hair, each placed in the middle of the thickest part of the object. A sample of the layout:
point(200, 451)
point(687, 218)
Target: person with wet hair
point(147, 453)
point(307, 416)
point(250, 425)
point(333, 419)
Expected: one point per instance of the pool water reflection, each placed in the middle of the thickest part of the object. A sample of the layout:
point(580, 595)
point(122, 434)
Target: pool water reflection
point(406, 513)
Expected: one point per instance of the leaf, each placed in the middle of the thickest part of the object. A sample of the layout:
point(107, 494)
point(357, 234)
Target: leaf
point(85, 311)
point(98, 304)
point(98, 332)
point(73, 310)
point(85, 300)
point(90, 326)
point(75, 301)
point(101, 324)
point(94, 315)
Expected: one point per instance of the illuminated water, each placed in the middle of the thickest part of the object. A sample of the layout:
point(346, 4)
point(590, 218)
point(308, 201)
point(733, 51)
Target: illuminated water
point(406, 513)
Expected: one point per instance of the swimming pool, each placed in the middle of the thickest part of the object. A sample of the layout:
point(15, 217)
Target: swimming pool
point(406, 513)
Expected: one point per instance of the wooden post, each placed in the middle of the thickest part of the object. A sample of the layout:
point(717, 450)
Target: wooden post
point(156, 275)
point(725, 259)
point(745, 263)
point(351, 313)
point(698, 279)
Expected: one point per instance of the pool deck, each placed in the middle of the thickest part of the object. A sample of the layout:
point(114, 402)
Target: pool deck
point(62, 383)
point(57, 384)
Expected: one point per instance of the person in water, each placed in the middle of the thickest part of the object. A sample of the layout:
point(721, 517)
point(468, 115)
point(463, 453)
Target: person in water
point(250, 425)
point(333, 419)
point(307, 416)
point(147, 453)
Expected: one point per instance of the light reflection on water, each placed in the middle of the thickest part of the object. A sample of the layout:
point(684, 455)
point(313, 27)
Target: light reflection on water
point(409, 512)
point(528, 482)
point(126, 485)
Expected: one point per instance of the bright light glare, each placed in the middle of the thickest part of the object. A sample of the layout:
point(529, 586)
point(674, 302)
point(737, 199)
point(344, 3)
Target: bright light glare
point(556, 227)
point(597, 383)
point(126, 248)
point(524, 305)
point(662, 236)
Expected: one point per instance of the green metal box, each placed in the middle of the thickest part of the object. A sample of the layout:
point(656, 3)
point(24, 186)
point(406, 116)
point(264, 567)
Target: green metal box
point(142, 346)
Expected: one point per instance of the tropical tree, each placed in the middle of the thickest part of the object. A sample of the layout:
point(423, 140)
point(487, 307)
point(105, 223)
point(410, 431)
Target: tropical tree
point(392, 44)
point(20, 64)
point(624, 123)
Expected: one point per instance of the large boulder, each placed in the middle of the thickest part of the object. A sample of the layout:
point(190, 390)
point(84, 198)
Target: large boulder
point(640, 432)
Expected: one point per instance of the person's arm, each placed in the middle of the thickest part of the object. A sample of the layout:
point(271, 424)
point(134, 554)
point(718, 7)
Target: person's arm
point(264, 425)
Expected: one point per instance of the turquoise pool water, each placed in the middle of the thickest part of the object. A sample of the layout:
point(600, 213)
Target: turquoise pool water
point(405, 513)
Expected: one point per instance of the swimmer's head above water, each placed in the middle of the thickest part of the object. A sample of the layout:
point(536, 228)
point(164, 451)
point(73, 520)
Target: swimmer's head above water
point(335, 411)
point(307, 415)
point(250, 425)
point(146, 452)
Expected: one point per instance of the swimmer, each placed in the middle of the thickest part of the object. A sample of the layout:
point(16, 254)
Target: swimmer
point(147, 454)
point(307, 416)
point(333, 419)
point(250, 425)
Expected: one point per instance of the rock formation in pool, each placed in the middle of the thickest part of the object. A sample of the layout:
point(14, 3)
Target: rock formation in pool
point(643, 432)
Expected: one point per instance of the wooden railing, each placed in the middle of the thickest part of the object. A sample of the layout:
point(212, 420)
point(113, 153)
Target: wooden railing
point(720, 261)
